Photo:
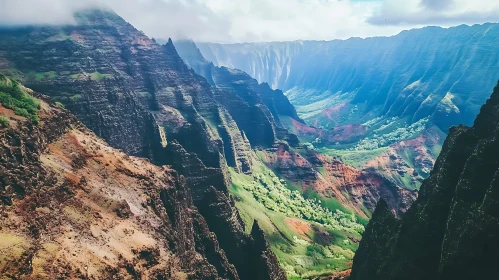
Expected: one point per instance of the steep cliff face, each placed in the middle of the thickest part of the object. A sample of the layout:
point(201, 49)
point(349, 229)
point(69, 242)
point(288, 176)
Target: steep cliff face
point(73, 207)
point(140, 97)
point(118, 82)
point(244, 97)
point(451, 231)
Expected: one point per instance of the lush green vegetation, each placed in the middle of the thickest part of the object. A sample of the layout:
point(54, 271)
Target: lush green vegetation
point(273, 194)
point(43, 75)
point(325, 247)
point(4, 122)
point(60, 105)
point(353, 158)
point(96, 76)
point(14, 96)
point(391, 132)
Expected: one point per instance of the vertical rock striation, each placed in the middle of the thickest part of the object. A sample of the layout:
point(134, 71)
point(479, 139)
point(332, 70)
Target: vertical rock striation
point(250, 103)
point(451, 231)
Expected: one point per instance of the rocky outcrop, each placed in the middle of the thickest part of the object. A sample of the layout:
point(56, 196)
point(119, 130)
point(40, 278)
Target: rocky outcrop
point(137, 95)
point(451, 230)
point(217, 207)
point(73, 207)
point(251, 255)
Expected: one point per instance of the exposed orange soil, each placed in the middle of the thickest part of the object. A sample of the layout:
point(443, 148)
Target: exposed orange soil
point(333, 113)
point(301, 227)
point(342, 275)
point(94, 220)
point(331, 178)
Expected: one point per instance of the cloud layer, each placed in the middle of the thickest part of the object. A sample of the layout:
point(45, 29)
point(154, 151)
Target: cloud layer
point(261, 20)
point(434, 12)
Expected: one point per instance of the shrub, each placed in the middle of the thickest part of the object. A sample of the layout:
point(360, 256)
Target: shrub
point(386, 139)
point(273, 194)
point(13, 96)
point(4, 122)
point(60, 105)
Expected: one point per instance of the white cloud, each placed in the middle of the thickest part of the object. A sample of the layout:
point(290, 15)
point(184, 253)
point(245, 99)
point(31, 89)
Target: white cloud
point(20, 12)
point(435, 12)
point(261, 20)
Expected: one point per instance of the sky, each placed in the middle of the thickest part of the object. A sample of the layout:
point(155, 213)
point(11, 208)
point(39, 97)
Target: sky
point(230, 21)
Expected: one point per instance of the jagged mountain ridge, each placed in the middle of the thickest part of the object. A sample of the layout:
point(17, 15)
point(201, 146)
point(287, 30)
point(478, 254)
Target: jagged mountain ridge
point(409, 74)
point(237, 81)
point(451, 230)
point(141, 97)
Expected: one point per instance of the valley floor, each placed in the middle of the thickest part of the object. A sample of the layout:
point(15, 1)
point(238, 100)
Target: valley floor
point(306, 244)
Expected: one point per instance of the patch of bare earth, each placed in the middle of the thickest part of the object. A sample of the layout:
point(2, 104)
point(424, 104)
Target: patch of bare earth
point(301, 227)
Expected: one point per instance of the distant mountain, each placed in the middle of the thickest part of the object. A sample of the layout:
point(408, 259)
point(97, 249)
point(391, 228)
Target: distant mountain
point(452, 229)
point(424, 72)
point(371, 94)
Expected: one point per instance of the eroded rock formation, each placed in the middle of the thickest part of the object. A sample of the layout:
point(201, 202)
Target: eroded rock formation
point(73, 207)
point(451, 230)
point(331, 178)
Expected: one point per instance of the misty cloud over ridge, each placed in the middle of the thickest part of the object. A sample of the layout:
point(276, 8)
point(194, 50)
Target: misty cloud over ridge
point(260, 20)
point(36, 12)
point(434, 12)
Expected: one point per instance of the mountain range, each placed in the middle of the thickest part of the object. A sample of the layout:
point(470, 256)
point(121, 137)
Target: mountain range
point(141, 98)
point(222, 137)
point(367, 96)
point(126, 157)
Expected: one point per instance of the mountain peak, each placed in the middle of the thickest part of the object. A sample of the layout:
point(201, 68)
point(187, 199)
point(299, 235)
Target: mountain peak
point(98, 16)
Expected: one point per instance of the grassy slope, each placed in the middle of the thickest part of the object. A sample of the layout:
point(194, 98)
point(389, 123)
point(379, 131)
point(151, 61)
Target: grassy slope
point(356, 159)
point(304, 252)
point(14, 96)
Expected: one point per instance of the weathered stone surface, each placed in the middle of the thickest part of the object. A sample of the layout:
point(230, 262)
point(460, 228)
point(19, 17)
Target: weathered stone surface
point(251, 255)
point(451, 231)
point(109, 216)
